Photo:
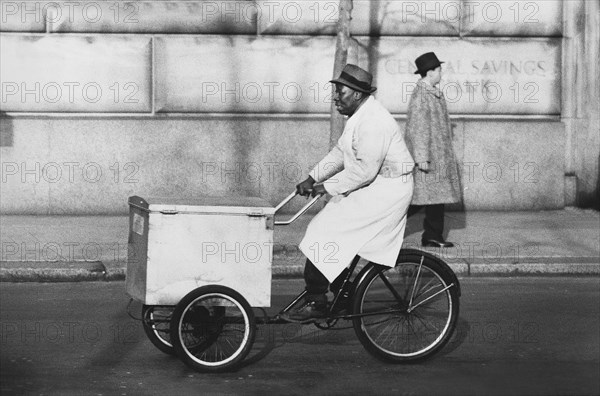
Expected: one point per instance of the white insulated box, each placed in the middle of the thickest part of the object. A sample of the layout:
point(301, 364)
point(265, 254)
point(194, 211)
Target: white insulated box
point(176, 246)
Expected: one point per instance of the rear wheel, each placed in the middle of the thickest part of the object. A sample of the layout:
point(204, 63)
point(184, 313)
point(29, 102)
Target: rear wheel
point(410, 311)
point(213, 329)
point(157, 322)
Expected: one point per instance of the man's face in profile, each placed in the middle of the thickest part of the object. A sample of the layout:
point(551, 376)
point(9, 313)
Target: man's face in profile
point(435, 75)
point(346, 99)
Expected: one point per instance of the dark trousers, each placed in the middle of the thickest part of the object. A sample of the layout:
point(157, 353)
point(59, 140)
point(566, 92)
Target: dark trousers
point(433, 225)
point(316, 283)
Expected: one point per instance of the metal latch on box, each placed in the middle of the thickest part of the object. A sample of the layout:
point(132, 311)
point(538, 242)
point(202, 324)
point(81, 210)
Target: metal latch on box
point(259, 214)
point(256, 213)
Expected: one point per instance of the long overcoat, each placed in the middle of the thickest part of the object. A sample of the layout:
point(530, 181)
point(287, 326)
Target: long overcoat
point(429, 139)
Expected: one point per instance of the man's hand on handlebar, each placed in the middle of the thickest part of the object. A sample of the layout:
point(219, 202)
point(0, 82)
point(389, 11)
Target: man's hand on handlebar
point(309, 188)
point(306, 187)
point(317, 190)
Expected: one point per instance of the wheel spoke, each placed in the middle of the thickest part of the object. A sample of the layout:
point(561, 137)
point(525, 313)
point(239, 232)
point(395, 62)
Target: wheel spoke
point(429, 298)
point(416, 281)
point(426, 288)
point(390, 287)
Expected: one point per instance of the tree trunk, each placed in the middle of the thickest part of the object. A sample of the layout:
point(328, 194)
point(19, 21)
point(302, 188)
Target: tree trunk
point(341, 58)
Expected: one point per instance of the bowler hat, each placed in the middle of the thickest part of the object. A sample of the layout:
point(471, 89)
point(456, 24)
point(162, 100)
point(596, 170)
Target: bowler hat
point(427, 62)
point(356, 78)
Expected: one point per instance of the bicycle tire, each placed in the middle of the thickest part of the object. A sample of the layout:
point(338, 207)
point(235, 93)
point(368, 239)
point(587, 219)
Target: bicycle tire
point(213, 329)
point(156, 322)
point(410, 310)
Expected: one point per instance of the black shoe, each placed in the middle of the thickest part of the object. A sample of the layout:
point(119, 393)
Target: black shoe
point(306, 313)
point(341, 309)
point(342, 305)
point(436, 244)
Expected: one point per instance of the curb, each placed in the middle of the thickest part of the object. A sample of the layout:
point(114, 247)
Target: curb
point(289, 263)
point(44, 271)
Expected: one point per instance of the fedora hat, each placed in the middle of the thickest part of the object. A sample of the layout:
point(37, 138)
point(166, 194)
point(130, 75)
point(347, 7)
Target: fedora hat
point(427, 62)
point(356, 78)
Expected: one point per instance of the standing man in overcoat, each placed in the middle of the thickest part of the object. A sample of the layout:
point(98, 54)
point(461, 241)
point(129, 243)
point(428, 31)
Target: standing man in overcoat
point(429, 139)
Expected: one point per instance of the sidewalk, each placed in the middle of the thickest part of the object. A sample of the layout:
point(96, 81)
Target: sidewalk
point(76, 248)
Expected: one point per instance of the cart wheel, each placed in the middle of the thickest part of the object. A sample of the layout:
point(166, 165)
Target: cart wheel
point(213, 329)
point(156, 321)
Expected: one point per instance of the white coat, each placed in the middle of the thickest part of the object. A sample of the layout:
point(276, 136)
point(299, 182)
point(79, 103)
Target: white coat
point(368, 173)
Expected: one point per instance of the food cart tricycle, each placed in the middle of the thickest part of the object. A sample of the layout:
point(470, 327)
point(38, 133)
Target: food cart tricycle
point(200, 268)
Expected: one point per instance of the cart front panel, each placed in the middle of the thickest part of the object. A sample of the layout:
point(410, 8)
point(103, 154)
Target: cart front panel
point(184, 247)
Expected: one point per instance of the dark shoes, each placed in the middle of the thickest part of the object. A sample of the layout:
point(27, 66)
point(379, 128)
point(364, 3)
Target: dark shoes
point(308, 311)
point(436, 244)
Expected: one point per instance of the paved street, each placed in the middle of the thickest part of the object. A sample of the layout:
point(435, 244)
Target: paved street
point(515, 336)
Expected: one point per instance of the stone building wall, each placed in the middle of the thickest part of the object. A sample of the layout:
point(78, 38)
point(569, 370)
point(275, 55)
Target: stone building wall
point(102, 100)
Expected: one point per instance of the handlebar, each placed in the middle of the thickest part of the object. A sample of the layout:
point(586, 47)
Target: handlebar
point(300, 212)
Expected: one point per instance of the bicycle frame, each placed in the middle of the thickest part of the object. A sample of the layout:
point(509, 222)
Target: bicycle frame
point(336, 301)
point(346, 283)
